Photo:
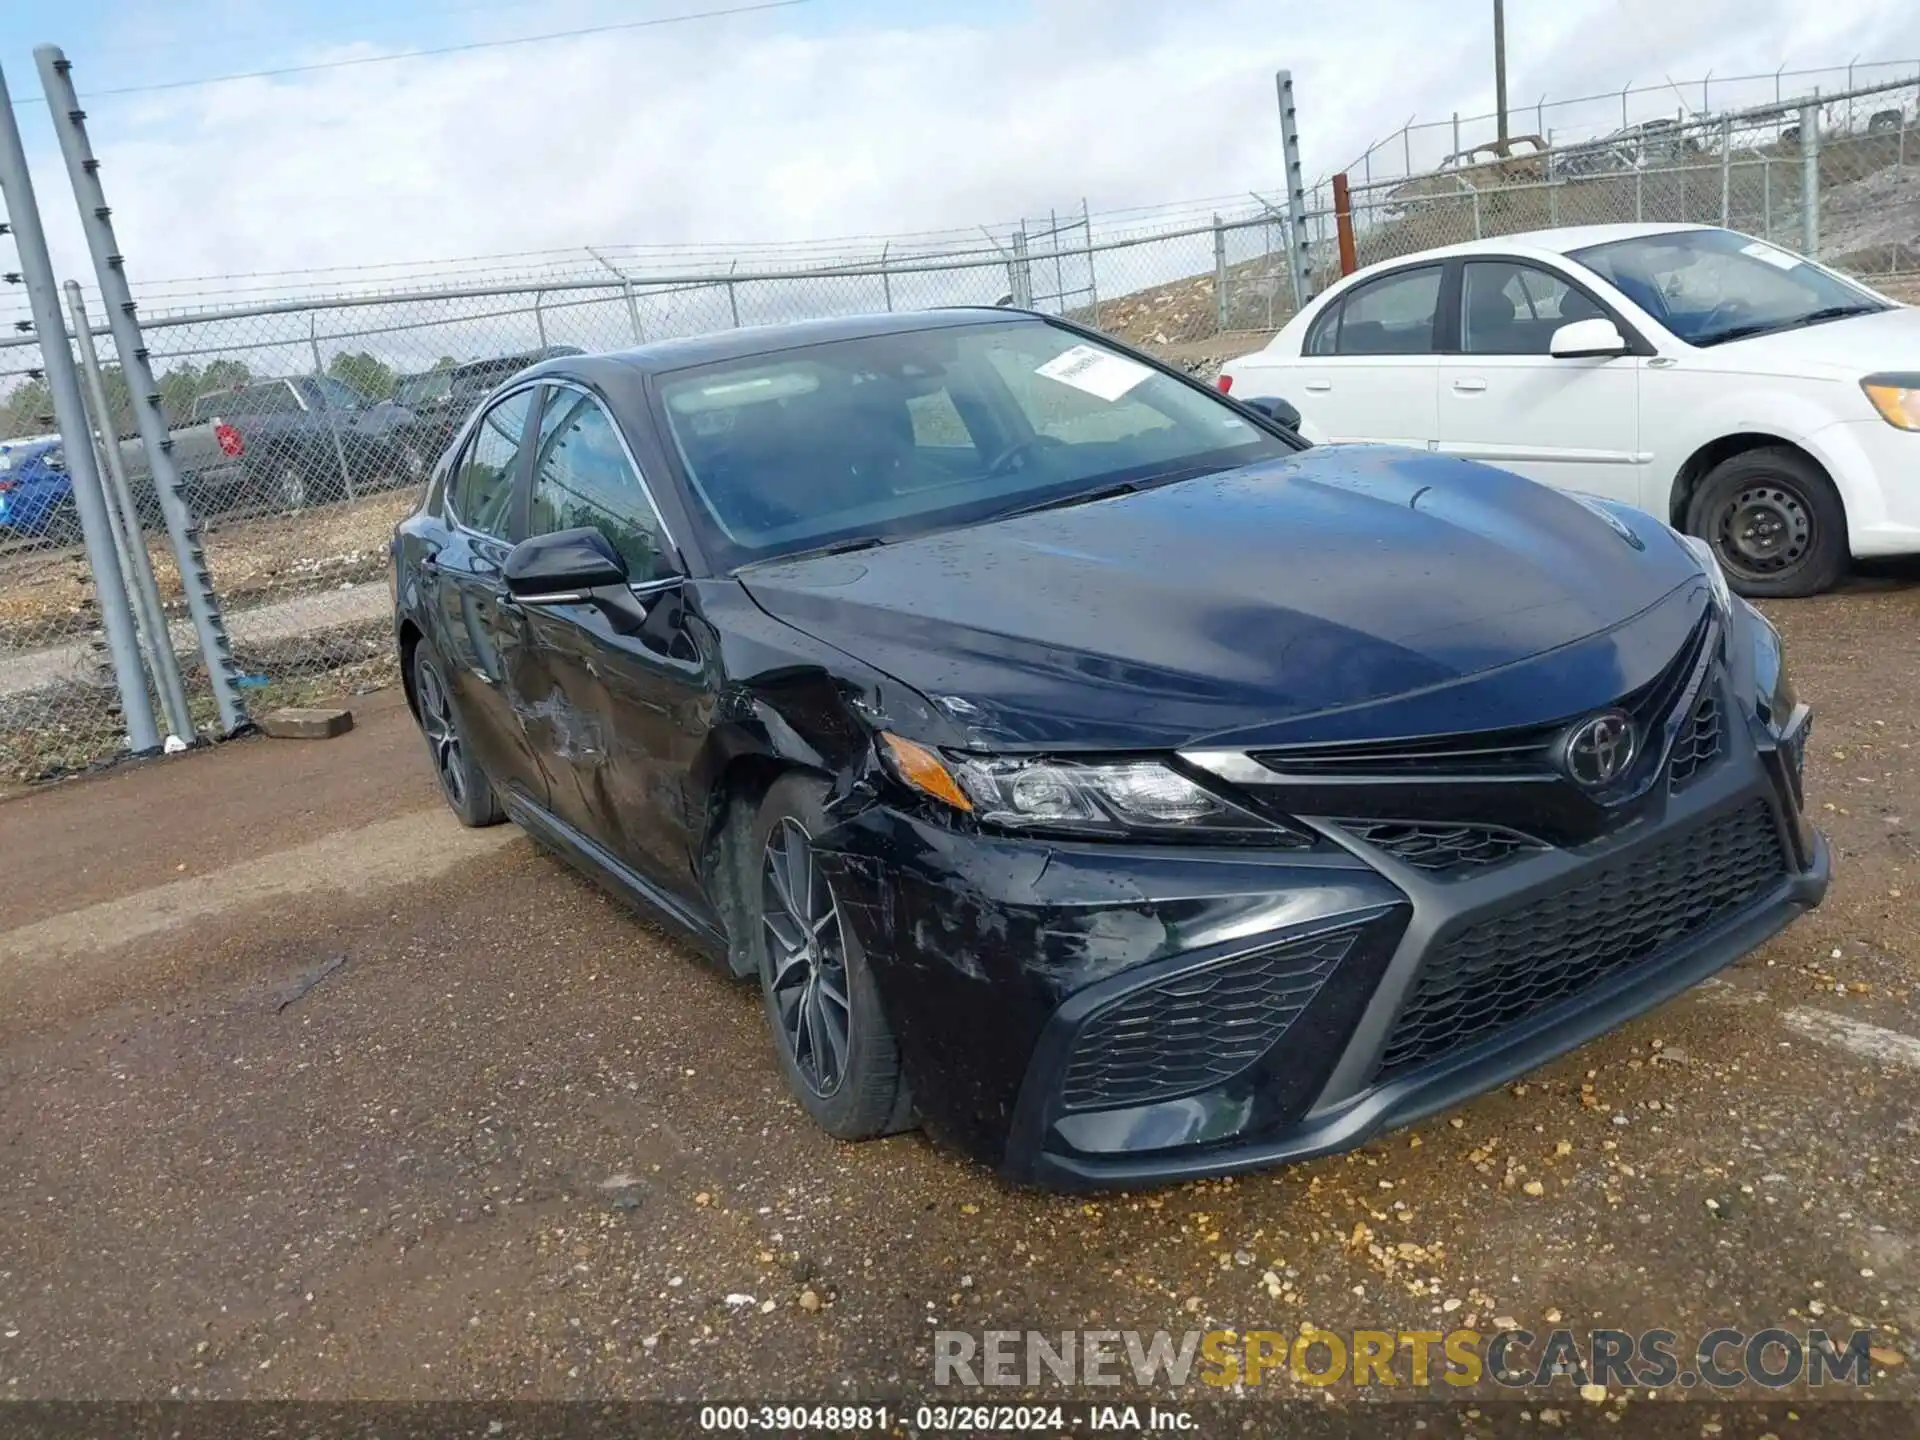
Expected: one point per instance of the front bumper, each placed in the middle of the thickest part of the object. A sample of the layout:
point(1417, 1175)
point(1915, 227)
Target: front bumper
point(997, 958)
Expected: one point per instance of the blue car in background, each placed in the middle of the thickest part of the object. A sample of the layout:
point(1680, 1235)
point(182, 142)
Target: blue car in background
point(36, 495)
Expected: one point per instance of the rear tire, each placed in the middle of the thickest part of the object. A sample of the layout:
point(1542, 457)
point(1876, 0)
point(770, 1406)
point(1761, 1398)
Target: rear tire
point(468, 792)
point(831, 1038)
point(1775, 522)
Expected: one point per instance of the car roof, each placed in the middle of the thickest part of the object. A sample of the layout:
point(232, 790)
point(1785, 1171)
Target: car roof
point(679, 354)
point(1561, 241)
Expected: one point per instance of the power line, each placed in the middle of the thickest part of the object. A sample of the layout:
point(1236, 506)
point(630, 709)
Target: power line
point(435, 50)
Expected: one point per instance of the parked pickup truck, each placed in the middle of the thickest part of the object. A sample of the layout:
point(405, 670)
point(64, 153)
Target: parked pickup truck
point(36, 492)
point(312, 439)
point(441, 399)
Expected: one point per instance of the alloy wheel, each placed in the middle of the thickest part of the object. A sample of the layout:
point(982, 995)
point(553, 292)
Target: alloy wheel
point(293, 489)
point(1763, 530)
point(807, 949)
point(443, 737)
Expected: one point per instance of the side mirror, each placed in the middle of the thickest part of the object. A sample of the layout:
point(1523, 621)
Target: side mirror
point(1274, 408)
point(1586, 338)
point(563, 568)
point(575, 567)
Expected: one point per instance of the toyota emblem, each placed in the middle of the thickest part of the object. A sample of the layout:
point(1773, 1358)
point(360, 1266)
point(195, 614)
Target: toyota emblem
point(1600, 749)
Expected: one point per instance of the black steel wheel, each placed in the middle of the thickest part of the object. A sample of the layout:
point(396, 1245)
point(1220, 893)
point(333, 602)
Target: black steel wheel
point(1775, 522)
point(465, 785)
point(830, 1031)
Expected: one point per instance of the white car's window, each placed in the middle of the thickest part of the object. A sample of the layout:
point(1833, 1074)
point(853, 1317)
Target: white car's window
point(1512, 309)
point(1712, 286)
point(1394, 315)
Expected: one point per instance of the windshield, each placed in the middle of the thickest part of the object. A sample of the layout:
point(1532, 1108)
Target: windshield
point(1712, 286)
point(334, 394)
point(905, 433)
point(423, 389)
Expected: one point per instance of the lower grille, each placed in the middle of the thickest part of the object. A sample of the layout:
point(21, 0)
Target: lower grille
point(1701, 738)
point(1198, 1028)
point(1441, 848)
point(1502, 970)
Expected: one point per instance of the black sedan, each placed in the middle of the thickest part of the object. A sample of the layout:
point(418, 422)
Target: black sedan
point(1083, 764)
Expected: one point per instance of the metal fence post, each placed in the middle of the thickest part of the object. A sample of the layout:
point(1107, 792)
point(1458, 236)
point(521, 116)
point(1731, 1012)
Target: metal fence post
point(1343, 223)
point(1301, 263)
point(1478, 233)
point(1093, 285)
point(134, 561)
point(1019, 273)
point(76, 438)
point(733, 295)
point(1219, 276)
point(886, 280)
point(1726, 169)
point(144, 392)
point(540, 320)
point(1639, 195)
point(1766, 198)
point(1810, 181)
point(633, 311)
point(1059, 274)
point(333, 425)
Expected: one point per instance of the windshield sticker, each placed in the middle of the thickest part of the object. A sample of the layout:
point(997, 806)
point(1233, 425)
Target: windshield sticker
point(1095, 371)
point(1779, 259)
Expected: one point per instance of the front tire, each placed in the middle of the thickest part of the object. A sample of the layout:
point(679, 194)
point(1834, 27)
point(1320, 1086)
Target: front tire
point(1775, 522)
point(468, 792)
point(831, 1038)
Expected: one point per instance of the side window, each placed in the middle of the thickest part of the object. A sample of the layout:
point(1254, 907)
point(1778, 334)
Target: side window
point(482, 492)
point(1393, 315)
point(581, 477)
point(1512, 309)
point(1324, 338)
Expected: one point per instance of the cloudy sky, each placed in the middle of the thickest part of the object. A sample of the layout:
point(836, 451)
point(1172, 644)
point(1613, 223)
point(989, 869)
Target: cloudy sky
point(821, 119)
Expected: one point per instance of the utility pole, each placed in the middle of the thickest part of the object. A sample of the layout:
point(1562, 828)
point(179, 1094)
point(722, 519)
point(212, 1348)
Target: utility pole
point(1500, 63)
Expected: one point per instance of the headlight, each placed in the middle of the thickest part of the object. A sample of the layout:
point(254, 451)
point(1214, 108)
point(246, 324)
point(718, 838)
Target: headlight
point(1128, 797)
point(1896, 397)
point(55, 460)
point(1710, 566)
point(1773, 690)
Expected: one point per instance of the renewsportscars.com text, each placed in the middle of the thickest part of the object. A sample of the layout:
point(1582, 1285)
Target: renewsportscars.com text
point(1418, 1359)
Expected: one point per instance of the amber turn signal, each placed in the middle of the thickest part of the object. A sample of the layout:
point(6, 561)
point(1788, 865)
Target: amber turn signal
point(919, 767)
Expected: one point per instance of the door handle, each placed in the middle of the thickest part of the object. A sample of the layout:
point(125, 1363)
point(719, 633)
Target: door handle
point(1471, 385)
point(1319, 386)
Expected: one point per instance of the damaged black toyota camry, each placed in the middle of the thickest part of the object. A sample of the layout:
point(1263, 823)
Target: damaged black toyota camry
point(1081, 763)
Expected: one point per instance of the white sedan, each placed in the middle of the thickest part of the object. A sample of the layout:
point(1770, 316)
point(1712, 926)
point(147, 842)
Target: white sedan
point(1739, 391)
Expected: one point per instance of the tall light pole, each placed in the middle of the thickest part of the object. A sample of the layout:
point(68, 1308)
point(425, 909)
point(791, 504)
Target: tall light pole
point(1500, 63)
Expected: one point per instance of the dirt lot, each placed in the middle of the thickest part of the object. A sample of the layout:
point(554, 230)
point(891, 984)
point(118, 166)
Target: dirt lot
point(306, 1092)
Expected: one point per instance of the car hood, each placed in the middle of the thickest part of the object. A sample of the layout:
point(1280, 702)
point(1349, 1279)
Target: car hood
point(1237, 601)
point(1847, 349)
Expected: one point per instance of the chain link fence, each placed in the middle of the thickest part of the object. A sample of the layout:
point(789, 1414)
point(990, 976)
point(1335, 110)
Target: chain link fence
point(302, 431)
point(302, 427)
point(1855, 157)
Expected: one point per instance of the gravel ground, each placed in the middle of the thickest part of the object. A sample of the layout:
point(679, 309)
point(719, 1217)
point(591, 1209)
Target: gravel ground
point(305, 1092)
